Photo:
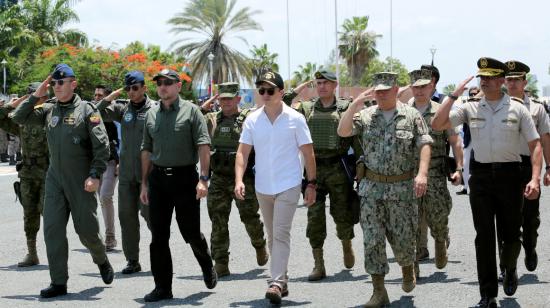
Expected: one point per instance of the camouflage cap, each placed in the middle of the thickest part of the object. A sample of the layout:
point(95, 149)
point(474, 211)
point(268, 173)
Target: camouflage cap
point(489, 67)
point(325, 74)
point(167, 73)
point(384, 80)
point(228, 89)
point(516, 69)
point(420, 77)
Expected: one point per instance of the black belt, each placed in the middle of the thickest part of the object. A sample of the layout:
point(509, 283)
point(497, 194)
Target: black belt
point(327, 160)
point(474, 165)
point(169, 171)
point(526, 160)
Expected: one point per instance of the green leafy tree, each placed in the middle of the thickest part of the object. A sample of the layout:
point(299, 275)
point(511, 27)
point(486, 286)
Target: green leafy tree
point(262, 60)
point(357, 46)
point(214, 21)
point(390, 64)
point(532, 86)
point(448, 89)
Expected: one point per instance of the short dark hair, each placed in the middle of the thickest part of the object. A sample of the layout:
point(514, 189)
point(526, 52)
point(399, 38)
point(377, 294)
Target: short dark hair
point(106, 90)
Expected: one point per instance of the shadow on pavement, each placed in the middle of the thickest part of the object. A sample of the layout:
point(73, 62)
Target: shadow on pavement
point(266, 303)
point(191, 300)
point(530, 279)
point(85, 295)
point(509, 302)
point(257, 273)
point(119, 275)
point(343, 275)
point(437, 277)
point(15, 268)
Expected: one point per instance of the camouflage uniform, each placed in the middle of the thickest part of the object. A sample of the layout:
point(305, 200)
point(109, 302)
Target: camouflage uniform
point(31, 170)
point(331, 176)
point(389, 210)
point(436, 204)
point(225, 132)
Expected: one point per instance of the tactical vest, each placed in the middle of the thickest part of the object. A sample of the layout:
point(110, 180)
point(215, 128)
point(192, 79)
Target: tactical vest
point(323, 125)
point(225, 141)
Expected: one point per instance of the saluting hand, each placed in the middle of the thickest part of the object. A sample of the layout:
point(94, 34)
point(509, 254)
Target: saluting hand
point(91, 185)
point(114, 95)
point(359, 102)
point(462, 86)
point(202, 189)
point(208, 104)
point(532, 190)
point(43, 88)
point(239, 190)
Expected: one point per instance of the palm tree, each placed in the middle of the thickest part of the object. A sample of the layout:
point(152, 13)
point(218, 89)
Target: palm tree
point(357, 46)
point(47, 18)
point(262, 60)
point(214, 21)
point(14, 34)
point(305, 72)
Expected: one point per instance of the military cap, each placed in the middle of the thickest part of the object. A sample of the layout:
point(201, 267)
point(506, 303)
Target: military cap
point(133, 77)
point(33, 86)
point(228, 89)
point(271, 77)
point(433, 69)
point(516, 69)
point(167, 73)
point(384, 80)
point(420, 77)
point(62, 71)
point(489, 67)
point(325, 74)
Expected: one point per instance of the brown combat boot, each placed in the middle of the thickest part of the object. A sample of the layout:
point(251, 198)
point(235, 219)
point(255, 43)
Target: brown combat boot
point(440, 254)
point(409, 279)
point(261, 256)
point(32, 257)
point(379, 296)
point(318, 271)
point(222, 269)
point(349, 256)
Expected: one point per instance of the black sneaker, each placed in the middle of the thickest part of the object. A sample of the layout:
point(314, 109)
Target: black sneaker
point(54, 290)
point(210, 278)
point(131, 267)
point(107, 272)
point(464, 191)
point(158, 294)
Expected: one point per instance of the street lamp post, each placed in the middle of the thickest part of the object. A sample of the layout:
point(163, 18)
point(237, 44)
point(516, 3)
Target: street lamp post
point(210, 62)
point(4, 62)
point(433, 50)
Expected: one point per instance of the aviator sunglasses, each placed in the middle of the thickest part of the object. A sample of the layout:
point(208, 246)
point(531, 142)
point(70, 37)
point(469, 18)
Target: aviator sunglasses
point(270, 91)
point(59, 82)
point(132, 87)
point(166, 82)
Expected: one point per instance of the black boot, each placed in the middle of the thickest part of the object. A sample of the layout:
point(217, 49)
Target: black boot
point(106, 271)
point(210, 278)
point(133, 266)
point(158, 294)
point(12, 160)
point(510, 283)
point(54, 290)
point(531, 259)
point(487, 302)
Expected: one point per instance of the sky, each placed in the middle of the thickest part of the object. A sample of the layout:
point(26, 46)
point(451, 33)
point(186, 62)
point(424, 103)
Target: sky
point(461, 31)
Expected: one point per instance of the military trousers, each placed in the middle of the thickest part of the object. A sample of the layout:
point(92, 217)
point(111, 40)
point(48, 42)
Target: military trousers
point(220, 197)
point(66, 196)
point(32, 200)
point(129, 209)
point(434, 207)
point(169, 191)
point(496, 192)
point(394, 220)
point(331, 180)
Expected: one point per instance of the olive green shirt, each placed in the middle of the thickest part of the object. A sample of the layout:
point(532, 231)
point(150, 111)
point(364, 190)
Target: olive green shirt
point(173, 135)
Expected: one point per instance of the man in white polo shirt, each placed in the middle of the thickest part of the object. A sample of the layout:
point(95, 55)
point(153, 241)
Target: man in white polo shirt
point(278, 134)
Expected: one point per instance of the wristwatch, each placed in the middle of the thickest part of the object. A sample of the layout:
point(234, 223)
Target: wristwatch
point(204, 178)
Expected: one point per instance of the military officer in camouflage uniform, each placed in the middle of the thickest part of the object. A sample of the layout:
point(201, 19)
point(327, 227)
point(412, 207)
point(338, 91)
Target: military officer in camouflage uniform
point(31, 170)
point(391, 135)
point(435, 205)
point(499, 124)
point(130, 113)
point(79, 150)
point(322, 116)
point(516, 81)
point(224, 128)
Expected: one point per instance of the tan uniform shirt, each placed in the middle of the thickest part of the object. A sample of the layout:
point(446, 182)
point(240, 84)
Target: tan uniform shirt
point(496, 134)
point(540, 118)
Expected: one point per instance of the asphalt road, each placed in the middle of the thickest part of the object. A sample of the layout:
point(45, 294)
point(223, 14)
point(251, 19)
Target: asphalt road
point(456, 286)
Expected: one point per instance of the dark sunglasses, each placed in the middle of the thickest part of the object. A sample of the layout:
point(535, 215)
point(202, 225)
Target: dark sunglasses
point(59, 82)
point(132, 87)
point(166, 82)
point(270, 91)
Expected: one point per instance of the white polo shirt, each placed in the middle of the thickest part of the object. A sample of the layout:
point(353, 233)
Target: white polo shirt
point(277, 146)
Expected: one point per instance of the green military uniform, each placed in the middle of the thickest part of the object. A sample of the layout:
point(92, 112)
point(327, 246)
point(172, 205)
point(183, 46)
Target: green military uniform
point(225, 132)
point(131, 118)
point(32, 172)
point(79, 147)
